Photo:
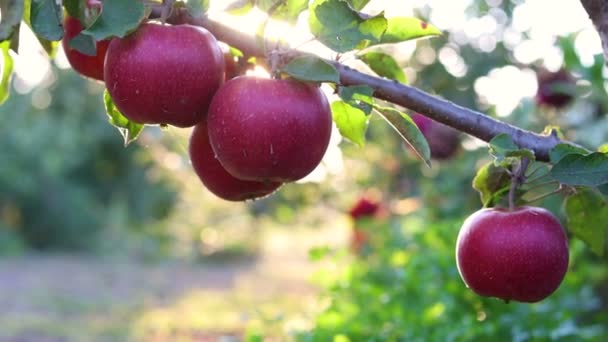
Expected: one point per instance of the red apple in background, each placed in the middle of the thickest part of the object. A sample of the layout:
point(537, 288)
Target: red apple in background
point(443, 140)
point(555, 89)
point(89, 66)
point(517, 255)
point(269, 130)
point(163, 74)
point(215, 178)
point(364, 208)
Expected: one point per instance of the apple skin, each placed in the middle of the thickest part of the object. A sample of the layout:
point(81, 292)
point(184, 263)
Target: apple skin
point(269, 130)
point(519, 255)
point(443, 140)
point(89, 66)
point(215, 178)
point(163, 74)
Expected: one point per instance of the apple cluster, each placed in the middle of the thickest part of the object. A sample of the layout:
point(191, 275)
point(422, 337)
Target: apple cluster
point(250, 135)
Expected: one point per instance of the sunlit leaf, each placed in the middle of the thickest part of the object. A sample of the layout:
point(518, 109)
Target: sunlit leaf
point(7, 71)
point(351, 121)
point(384, 65)
point(401, 29)
point(358, 4)
point(341, 28)
point(313, 69)
point(491, 182)
point(128, 129)
point(407, 129)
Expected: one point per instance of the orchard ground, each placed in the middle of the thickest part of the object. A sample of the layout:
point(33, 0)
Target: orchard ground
point(76, 298)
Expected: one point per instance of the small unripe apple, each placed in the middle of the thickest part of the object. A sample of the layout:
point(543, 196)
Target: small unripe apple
point(554, 88)
point(215, 178)
point(162, 74)
point(89, 66)
point(443, 140)
point(519, 255)
point(269, 130)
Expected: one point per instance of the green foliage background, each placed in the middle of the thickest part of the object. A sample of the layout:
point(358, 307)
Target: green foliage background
point(65, 174)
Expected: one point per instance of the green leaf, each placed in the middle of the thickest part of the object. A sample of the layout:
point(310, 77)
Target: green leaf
point(358, 4)
point(384, 65)
point(562, 150)
point(313, 69)
point(49, 46)
point(128, 129)
point(492, 182)
point(117, 19)
point(288, 10)
point(85, 44)
point(585, 170)
point(341, 28)
point(360, 96)
point(505, 151)
point(401, 29)
point(7, 71)
point(588, 218)
point(407, 129)
point(75, 8)
point(12, 12)
point(45, 18)
point(197, 8)
point(351, 121)
point(603, 148)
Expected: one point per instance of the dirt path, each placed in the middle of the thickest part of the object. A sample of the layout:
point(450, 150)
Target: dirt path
point(58, 298)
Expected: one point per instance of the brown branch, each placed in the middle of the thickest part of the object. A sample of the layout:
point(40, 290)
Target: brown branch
point(463, 119)
point(598, 13)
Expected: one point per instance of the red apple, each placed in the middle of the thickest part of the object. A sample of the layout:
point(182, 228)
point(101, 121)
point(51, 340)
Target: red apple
point(517, 255)
point(363, 208)
point(163, 74)
point(554, 88)
point(443, 140)
point(90, 66)
point(215, 178)
point(269, 130)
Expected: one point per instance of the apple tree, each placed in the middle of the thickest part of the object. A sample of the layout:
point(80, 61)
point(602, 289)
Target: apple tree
point(170, 63)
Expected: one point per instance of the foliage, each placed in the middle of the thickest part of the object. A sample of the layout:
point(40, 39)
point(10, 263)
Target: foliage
point(64, 169)
point(406, 288)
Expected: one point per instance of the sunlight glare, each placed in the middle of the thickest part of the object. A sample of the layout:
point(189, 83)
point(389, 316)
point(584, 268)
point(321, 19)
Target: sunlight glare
point(32, 65)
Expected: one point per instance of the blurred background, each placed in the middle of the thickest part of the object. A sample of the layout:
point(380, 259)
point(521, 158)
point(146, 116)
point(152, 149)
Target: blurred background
point(101, 242)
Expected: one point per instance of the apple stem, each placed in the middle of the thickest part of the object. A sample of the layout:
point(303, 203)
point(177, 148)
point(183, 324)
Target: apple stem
point(518, 177)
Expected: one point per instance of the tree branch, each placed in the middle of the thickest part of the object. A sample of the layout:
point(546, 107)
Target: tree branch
point(463, 119)
point(598, 13)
